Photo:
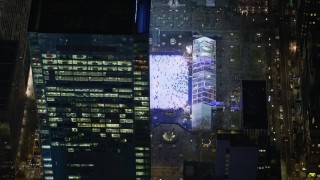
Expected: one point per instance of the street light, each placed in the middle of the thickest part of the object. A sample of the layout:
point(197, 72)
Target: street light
point(293, 47)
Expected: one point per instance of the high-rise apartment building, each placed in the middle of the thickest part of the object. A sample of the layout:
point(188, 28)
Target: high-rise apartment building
point(92, 89)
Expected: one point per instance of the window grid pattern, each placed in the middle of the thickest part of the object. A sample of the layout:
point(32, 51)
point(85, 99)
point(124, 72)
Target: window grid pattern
point(142, 112)
point(89, 101)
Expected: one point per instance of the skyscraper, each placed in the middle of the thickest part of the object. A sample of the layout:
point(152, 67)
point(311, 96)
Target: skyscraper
point(92, 89)
point(203, 82)
point(8, 55)
point(14, 66)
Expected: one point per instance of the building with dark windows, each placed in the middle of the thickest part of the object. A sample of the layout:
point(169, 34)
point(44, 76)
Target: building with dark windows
point(14, 68)
point(96, 16)
point(237, 157)
point(8, 53)
point(245, 154)
point(307, 17)
point(307, 119)
point(255, 124)
point(91, 82)
point(254, 105)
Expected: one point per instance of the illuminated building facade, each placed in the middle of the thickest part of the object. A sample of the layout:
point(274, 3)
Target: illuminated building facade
point(92, 94)
point(203, 82)
point(91, 81)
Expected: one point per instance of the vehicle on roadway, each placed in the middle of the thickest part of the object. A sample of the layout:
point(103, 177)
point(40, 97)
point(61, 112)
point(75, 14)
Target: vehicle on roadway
point(281, 116)
point(280, 109)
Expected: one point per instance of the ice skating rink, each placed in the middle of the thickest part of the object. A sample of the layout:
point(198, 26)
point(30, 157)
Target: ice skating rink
point(168, 81)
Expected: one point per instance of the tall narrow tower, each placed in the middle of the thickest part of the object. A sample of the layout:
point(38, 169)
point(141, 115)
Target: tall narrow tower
point(203, 83)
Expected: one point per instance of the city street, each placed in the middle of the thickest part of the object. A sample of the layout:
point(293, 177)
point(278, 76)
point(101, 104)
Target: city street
point(28, 148)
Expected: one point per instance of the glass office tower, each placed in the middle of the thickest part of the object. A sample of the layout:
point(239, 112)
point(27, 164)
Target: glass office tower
point(203, 83)
point(92, 94)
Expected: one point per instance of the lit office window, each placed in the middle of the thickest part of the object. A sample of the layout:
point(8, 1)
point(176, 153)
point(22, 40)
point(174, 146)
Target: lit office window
point(74, 177)
point(48, 165)
point(140, 173)
point(140, 161)
point(46, 159)
point(115, 135)
point(46, 147)
point(126, 130)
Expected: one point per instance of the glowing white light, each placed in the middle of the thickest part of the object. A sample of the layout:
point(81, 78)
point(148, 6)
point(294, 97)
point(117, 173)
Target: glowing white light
point(189, 49)
point(29, 91)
